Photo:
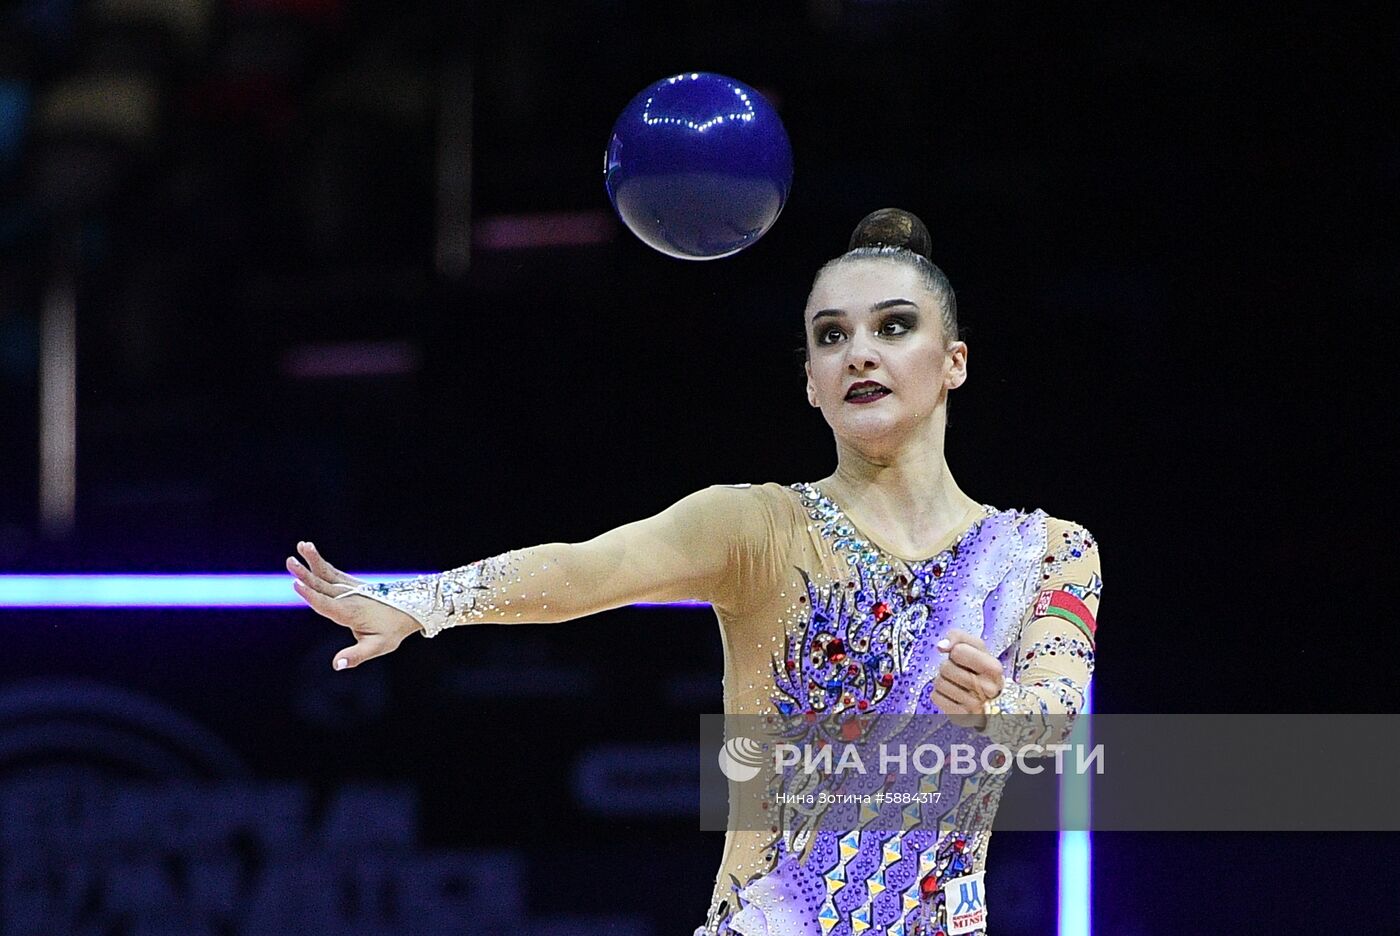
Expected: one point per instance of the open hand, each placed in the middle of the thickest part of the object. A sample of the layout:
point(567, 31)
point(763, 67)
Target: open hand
point(378, 628)
point(969, 678)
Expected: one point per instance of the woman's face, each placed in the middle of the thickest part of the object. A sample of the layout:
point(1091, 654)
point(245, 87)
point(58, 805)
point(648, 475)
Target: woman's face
point(873, 320)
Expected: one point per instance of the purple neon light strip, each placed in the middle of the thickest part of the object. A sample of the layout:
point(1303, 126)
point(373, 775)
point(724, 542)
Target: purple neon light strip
point(230, 590)
point(275, 591)
point(1076, 843)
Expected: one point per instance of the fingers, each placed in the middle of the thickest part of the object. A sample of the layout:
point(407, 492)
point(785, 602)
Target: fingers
point(320, 584)
point(983, 670)
point(320, 575)
point(955, 689)
point(945, 704)
point(366, 649)
point(325, 605)
point(953, 674)
point(957, 636)
point(970, 664)
point(962, 708)
point(322, 568)
point(980, 684)
point(952, 699)
point(311, 580)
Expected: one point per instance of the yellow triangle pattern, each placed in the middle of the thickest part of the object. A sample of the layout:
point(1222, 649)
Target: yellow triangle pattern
point(891, 854)
point(835, 879)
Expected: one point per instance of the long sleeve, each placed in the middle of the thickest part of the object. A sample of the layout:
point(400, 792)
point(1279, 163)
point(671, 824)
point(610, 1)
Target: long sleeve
point(1054, 659)
point(706, 546)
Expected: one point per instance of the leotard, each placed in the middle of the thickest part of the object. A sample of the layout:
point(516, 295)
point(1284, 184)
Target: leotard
point(810, 611)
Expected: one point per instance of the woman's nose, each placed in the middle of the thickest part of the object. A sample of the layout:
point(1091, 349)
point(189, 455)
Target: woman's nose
point(860, 355)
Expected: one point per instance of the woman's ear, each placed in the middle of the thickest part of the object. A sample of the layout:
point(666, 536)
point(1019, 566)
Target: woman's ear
point(811, 387)
point(957, 369)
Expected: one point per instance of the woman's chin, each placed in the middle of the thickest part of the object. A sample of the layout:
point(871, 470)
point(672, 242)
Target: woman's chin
point(870, 428)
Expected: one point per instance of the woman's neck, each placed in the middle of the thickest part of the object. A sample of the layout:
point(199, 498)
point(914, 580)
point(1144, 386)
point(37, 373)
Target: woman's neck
point(908, 502)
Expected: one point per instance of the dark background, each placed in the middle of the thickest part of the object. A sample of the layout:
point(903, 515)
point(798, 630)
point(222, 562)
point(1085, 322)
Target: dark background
point(1172, 230)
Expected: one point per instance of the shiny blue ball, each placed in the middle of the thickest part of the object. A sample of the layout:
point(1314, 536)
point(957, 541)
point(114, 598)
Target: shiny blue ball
point(698, 166)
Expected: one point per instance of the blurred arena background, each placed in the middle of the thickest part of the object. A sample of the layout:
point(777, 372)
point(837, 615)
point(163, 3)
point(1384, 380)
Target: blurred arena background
point(275, 270)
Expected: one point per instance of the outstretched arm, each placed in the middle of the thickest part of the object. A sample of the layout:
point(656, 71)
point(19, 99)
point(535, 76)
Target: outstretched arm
point(705, 546)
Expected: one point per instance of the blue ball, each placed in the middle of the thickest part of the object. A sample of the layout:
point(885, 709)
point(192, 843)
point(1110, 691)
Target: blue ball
point(698, 166)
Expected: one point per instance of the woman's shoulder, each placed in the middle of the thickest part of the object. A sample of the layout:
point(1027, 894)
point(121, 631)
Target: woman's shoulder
point(762, 493)
point(1055, 524)
point(1067, 529)
point(769, 499)
point(1062, 535)
point(1068, 540)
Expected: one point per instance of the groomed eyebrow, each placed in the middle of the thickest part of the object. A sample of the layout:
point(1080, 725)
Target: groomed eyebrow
point(877, 307)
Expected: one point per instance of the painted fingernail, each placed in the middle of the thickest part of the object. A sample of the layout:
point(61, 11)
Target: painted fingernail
point(341, 663)
point(944, 644)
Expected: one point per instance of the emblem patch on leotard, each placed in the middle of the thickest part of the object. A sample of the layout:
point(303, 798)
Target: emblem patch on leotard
point(1056, 602)
point(966, 904)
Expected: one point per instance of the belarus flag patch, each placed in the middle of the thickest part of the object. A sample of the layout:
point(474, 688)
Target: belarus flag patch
point(1056, 602)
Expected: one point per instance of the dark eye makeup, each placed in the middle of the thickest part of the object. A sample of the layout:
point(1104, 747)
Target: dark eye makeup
point(906, 323)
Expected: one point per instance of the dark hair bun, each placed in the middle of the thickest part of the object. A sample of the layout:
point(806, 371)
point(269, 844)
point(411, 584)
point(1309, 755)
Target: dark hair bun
point(892, 227)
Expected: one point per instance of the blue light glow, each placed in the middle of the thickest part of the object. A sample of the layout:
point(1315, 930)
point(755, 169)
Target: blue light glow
point(1076, 846)
point(178, 591)
point(275, 591)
